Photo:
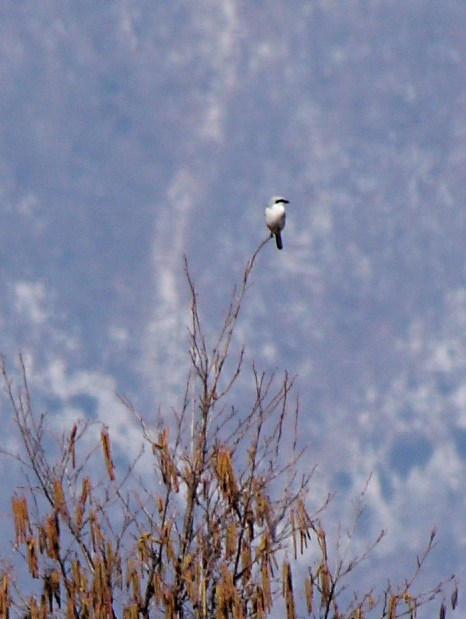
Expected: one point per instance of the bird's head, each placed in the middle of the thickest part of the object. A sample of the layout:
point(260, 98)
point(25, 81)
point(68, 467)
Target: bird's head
point(278, 200)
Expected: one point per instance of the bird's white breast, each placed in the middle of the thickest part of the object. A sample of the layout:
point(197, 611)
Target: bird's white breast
point(275, 216)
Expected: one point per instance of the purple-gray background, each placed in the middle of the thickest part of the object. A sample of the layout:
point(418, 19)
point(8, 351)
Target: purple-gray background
point(134, 131)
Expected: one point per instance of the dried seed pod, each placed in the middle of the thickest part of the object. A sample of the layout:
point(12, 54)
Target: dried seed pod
point(391, 612)
point(59, 502)
point(52, 531)
point(105, 442)
point(287, 590)
point(32, 556)
point(21, 519)
point(324, 585)
point(454, 596)
point(308, 589)
point(71, 445)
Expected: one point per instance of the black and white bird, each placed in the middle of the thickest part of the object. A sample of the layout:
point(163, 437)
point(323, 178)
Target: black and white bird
point(275, 218)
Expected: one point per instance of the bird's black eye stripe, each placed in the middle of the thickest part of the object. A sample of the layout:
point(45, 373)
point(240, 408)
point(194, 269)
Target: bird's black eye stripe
point(282, 200)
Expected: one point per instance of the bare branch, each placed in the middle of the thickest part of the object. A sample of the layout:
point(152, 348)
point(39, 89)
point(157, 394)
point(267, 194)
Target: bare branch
point(203, 521)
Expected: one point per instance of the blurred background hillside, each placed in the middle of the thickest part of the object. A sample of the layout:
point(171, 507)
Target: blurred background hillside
point(134, 132)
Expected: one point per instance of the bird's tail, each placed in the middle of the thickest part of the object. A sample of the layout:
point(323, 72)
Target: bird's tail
point(278, 240)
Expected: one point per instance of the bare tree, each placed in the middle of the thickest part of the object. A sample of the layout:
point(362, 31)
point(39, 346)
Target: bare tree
point(211, 532)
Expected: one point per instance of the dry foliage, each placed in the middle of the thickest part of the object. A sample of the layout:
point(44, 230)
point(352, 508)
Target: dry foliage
point(210, 533)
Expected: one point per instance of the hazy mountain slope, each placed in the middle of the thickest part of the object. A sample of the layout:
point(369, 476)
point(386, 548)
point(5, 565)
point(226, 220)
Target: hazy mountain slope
point(134, 132)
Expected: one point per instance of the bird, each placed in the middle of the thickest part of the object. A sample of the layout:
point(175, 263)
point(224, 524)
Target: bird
point(275, 218)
